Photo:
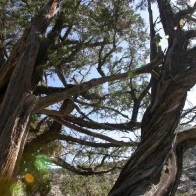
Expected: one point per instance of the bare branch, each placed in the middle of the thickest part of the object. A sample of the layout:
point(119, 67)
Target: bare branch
point(188, 111)
point(187, 136)
point(106, 126)
point(90, 133)
point(191, 34)
point(190, 18)
point(189, 121)
point(68, 138)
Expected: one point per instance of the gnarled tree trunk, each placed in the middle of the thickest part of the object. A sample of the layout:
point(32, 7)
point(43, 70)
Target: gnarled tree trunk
point(155, 166)
point(18, 103)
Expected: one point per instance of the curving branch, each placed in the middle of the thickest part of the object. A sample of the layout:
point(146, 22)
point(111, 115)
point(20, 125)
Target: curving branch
point(54, 134)
point(188, 111)
point(68, 138)
point(191, 34)
point(129, 126)
point(187, 138)
point(93, 134)
point(189, 121)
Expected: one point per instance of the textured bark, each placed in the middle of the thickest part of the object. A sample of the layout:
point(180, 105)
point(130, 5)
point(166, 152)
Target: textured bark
point(10, 145)
point(17, 105)
point(155, 166)
point(145, 167)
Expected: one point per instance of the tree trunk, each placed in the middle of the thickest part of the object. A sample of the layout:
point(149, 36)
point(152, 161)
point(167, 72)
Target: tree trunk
point(18, 103)
point(145, 168)
point(11, 146)
point(155, 166)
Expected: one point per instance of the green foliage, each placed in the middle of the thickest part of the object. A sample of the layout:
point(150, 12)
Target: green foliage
point(75, 185)
point(15, 17)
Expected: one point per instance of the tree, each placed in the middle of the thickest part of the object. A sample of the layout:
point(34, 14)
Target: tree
point(155, 167)
point(106, 41)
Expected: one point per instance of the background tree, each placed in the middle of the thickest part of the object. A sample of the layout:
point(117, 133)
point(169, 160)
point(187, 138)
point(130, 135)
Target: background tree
point(88, 120)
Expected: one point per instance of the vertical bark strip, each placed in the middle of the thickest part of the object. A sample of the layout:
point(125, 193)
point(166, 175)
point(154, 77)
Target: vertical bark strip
point(16, 108)
point(18, 123)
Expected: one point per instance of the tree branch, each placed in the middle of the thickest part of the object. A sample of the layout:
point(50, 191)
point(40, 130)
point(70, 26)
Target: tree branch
point(191, 34)
point(78, 170)
point(57, 97)
point(167, 16)
point(77, 42)
point(68, 138)
point(183, 13)
point(188, 111)
point(93, 134)
point(106, 126)
point(187, 137)
point(100, 107)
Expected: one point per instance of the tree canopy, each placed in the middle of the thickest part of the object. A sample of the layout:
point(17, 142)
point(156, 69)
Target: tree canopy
point(85, 83)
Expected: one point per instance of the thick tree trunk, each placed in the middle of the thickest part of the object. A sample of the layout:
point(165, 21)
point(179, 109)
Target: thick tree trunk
point(11, 146)
point(18, 103)
point(145, 168)
point(155, 166)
